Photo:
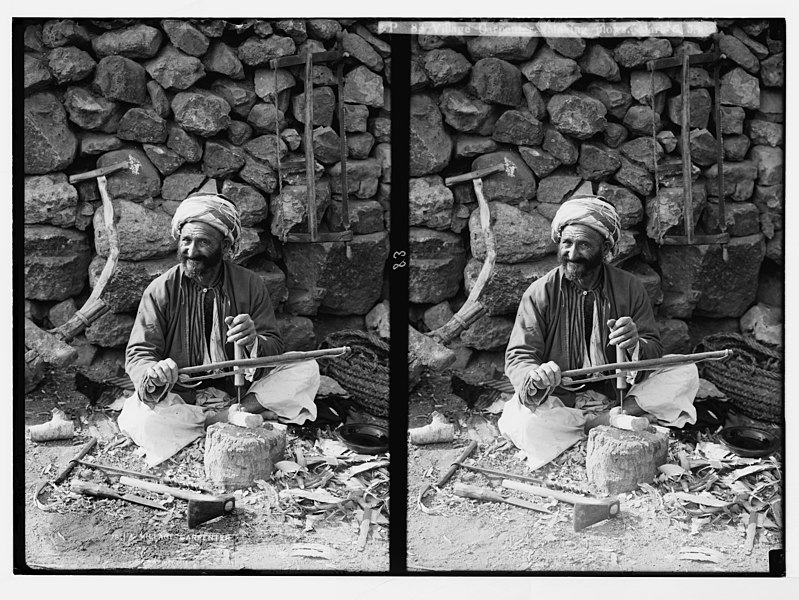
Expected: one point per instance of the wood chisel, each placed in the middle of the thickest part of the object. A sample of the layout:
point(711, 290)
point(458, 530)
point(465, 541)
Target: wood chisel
point(100, 491)
point(477, 493)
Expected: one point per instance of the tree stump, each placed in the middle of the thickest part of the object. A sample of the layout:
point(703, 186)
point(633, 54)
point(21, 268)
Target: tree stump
point(618, 460)
point(236, 456)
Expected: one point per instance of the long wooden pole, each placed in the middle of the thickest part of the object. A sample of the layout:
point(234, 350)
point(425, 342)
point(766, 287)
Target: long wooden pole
point(637, 365)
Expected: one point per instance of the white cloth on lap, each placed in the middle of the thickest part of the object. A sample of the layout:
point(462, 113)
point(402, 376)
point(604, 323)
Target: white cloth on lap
point(553, 428)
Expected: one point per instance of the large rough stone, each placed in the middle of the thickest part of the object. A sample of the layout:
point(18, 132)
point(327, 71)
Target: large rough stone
point(222, 158)
point(508, 282)
point(488, 333)
point(290, 208)
point(137, 41)
point(772, 71)
point(513, 185)
point(56, 260)
point(597, 162)
point(550, 72)
point(699, 110)
point(184, 143)
point(674, 336)
point(540, 161)
point(741, 218)
point(519, 236)
point(445, 66)
point(238, 94)
point(770, 164)
point(185, 37)
point(323, 29)
point(518, 127)
point(577, 114)
point(738, 88)
point(201, 113)
point(294, 28)
point(735, 147)
point(111, 330)
point(251, 204)
point(356, 117)
point(634, 177)
point(467, 113)
point(649, 278)
point(165, 160)
point(337, 284)
point(430, 203)
point(124, 290)
point(615, 134)
point(273, 277)
point(174, 70)
point(159, 100)
point(256, 52)
point(496, 81)
point(37, 75)
point(324, 105)
point(639, 120)
point(70, 64)
point(572, 47)
point(732, 119)
point(362, 177)
point(557, 187)
point(618, 460)
point(644, 151)
point(765, 324)
point(269, 83)
point(365, 216)
point(49, 143)
point(628, 205)
point(642, 88)
point(143, 233)
point(633, 53)
point(430, 144)
point(615, 96)
point(700, 281)
point(297, 333)
point(326, 145)
point(515, 48)
point(65, 32)
point(223, 59)
point(259, 174)
point(92, 112)
point(362, 51)
point(770, 202)
point(362, 86)
point(598, 60)
point(772, 105)
point(50, 199)
point(180, 184)
point(237, 457)
point(765, 132)
point(131, 184)
point(142, 125)
point(120, 78)
point(703, 147)
point(736, 50)
point(775, 248)
point(665, 211)
point(739, 180)
point(560, 146)
point(435, 266)
point(267, 118)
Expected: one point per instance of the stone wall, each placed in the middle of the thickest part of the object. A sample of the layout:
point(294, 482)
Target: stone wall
point(193, 100)
point(572, 114)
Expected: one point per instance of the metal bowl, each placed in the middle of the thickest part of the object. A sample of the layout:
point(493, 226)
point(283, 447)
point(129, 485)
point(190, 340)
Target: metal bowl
point(749, 442)
point(364, 438)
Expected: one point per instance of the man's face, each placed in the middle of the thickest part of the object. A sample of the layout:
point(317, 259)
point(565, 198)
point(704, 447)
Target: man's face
point(580, 251)
point(200, 249)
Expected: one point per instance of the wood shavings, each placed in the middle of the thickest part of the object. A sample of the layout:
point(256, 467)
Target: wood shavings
point(312, 551)
point(701, 554)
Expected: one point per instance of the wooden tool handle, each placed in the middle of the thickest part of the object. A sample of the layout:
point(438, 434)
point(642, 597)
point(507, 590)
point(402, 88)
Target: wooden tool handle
point(454, 466)
point(476, 493)
point(548, 493)
point(238, 354)
point(164, 489)
point(92, 489)
point(621, 357)
point(87, 447)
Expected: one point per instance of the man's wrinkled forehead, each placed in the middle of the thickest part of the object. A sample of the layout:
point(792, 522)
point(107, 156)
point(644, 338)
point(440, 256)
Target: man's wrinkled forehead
point(580, 231)
point(200, 229)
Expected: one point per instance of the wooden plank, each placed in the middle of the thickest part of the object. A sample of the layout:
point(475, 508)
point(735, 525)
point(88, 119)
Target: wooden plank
point(321, 236)
point(674, 61)
point(293, 61)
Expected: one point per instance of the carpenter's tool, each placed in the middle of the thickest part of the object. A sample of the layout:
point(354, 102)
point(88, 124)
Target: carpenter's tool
point(451, 471)
point(202, 507)
point(100, 491)
point(188, 375)
point(587, 511)
point(85, 449)
point(477, 493)
point(619, 420)
point(503, 475)
point(238, 373)
point(621, 381)
point(121, 471)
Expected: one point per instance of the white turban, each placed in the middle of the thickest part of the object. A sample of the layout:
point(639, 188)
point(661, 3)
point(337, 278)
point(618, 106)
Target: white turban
point(214, 210)
point(592, 211)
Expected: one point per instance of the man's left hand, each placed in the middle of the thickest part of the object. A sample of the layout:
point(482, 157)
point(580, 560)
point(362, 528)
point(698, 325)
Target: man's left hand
point(241, 330)
point(623, 333)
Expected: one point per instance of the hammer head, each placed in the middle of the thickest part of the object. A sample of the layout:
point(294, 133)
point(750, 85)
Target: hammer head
point(202, 510)
point(588, 513)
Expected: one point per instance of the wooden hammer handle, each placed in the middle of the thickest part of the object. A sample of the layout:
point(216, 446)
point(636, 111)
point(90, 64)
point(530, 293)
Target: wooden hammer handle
point(165, 489)
point(454, 466)
point(238, 354)
point(87, 447)
point(548, 493)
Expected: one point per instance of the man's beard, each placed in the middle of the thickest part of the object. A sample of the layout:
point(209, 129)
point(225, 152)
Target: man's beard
point(199, 267)
point(581, 268)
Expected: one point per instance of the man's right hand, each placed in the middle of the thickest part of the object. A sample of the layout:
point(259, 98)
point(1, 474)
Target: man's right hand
point(164, 372)
point(545, 376)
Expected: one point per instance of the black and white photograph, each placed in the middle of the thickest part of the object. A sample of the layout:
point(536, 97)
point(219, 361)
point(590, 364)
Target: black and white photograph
point(205, 243)
point(596, 214)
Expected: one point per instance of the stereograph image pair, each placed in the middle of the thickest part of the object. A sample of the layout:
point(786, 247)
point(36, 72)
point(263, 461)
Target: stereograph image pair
point(585, 239)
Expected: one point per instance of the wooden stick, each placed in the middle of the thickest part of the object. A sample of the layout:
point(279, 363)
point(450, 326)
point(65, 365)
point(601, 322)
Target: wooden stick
point(309, 153)
point(687, 191)
point(635, 365)
point(267, 361)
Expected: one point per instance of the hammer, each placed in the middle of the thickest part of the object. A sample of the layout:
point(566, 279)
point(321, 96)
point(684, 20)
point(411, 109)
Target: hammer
point(587, 511)
point(202, 507)
point(450, 472)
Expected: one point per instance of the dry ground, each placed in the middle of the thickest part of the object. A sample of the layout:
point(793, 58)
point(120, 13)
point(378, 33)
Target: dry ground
point(648, 535)
point(265, 533)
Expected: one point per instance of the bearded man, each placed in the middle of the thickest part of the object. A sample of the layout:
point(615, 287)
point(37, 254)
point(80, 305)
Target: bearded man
point(574, 317)
point(193, 315)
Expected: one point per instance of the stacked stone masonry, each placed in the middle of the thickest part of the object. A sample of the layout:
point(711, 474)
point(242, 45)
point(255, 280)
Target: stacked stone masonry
point(193, 100)
point(586, 115)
